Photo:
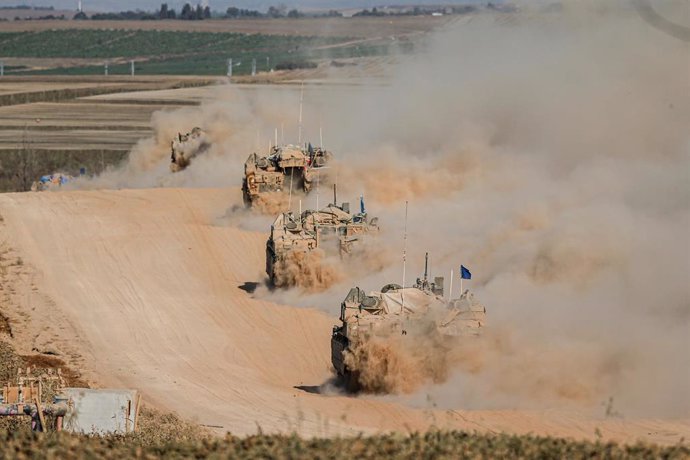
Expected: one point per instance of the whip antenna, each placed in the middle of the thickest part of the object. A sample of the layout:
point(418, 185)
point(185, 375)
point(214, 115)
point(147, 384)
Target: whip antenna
point(301, 99)
point(290, 195)
point(317, 189)
point(426, 266)
point(402, 291)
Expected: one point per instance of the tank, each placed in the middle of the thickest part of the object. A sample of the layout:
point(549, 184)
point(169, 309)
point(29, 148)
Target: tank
point(285, 167)
point(393, 311)
point(332, 229)
point(187, 146)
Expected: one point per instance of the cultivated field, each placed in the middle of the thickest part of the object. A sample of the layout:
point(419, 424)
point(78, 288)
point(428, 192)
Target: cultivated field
point(323, 27)
point(62, 126)
point(154, 52)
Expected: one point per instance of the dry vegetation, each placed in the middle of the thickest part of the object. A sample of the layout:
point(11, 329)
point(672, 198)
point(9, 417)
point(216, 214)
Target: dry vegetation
point(433, 444)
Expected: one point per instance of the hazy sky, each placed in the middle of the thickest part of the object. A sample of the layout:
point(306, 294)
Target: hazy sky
point(119, 5)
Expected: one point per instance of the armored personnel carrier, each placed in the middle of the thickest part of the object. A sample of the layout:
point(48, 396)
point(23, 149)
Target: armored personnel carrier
point(185, 147)
point(333, 229)
point(285, 167)
point(395, 311)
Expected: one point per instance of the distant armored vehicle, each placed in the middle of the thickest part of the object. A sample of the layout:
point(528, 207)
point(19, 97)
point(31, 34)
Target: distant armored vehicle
point(51, 182)
point(332, 229)
point(395, 310)
point(286, 166)
point(185, 147)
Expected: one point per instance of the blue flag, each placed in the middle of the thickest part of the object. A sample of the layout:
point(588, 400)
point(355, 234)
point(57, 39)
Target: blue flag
point(465, 273)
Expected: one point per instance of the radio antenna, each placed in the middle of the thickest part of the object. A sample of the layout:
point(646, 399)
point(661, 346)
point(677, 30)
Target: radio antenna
point(317, 189)
point(301, 100)
point(402, 291)
point(290, 195)
point(426, 266)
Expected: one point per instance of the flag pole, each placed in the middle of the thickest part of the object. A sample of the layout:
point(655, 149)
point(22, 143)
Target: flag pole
point(461, 291)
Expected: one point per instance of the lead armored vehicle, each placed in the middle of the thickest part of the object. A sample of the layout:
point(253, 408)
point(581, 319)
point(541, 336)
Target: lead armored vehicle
point(333, 229)
point(285, 167)
point(397, 311)
point(185, 147)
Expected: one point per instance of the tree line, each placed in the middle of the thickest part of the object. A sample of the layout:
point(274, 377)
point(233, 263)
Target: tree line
point(190, 12)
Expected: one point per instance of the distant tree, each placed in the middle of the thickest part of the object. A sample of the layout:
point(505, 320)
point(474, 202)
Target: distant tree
point(294, 13)
point(276, 11)
point(186, 12)
point(163, 13)
point(80, 15)
point(334, 14)
point(236, 13)
point(207, 12)
point(199, 12)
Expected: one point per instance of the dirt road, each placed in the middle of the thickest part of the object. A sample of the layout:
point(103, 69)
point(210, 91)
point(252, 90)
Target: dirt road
point(152, 285)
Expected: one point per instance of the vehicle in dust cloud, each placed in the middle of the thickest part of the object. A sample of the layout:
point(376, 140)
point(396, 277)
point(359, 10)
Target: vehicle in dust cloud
point(333, 229)
point(287, 168)
point(184, 147)
point(396, 311)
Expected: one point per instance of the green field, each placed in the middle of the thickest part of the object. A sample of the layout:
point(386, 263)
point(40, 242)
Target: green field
point(170, 52)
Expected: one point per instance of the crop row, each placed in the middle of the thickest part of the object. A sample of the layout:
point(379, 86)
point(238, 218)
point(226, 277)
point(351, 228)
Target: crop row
point(137, 43)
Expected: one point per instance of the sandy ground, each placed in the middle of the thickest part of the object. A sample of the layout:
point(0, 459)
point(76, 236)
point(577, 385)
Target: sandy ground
point(143, 289)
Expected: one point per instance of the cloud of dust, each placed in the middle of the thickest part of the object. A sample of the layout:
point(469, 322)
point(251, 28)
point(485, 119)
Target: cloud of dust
point(311, 271)
point(391, 363)
point(547, 152)
point(572, 206)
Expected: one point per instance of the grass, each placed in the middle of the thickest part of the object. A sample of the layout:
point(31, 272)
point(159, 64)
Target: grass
point(170, 52)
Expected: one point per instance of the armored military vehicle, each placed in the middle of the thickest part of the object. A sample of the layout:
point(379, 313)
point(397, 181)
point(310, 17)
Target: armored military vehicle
point(286, 167)
point(51, 182)
point(333, 229)
point(185, 147)
point(395, 310)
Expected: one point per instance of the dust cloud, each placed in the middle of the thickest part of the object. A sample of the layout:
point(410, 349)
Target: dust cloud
point(546, 151)
point(312, 271)
point(390, 363)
